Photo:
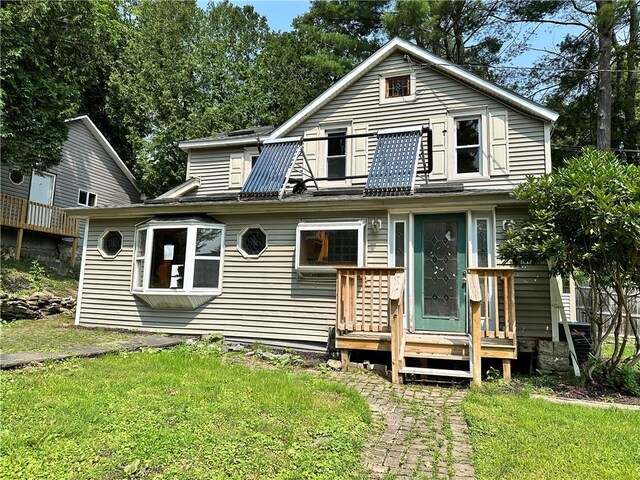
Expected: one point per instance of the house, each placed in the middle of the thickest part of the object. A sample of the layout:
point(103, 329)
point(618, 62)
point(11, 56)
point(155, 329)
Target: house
point(90, 174)
point(374, 213)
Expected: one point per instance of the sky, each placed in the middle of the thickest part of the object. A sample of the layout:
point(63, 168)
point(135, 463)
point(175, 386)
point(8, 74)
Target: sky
point(280, 13)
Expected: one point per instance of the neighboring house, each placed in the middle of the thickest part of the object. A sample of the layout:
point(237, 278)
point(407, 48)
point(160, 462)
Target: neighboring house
point(408, 162)
point(90, 174)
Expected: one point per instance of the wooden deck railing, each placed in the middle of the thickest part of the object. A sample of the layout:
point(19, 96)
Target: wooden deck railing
point(24, 215)
point(497, 305)
point(362, 296)
point(493, 311)
point(21, 213)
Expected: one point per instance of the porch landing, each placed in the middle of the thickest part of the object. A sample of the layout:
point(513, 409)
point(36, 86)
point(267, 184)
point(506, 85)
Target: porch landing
point(370, 316)
point(443, 346)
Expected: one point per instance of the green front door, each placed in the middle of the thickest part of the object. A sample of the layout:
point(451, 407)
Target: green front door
point(440, 260)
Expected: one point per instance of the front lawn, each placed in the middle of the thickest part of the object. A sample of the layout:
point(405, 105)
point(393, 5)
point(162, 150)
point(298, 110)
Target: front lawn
point(180, 413)
point(517, 437)
point(54, 334)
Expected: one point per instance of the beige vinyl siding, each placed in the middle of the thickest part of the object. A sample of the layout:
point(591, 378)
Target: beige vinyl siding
point(86, 165)
point(436, 94)
point(359, 107)
point(533, 299)
point(212, 166)
point(262, 299)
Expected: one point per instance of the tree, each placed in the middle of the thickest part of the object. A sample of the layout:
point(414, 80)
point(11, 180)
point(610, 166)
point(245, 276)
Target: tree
point(585, 221)
point(338, 34)
point(602, 25)
point(185, 73)
point(51, 54)
point(463, 32)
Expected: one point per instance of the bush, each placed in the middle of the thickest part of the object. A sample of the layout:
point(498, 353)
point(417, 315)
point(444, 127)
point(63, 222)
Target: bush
point(623, 378)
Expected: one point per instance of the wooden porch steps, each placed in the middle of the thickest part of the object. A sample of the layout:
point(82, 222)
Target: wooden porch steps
point(437, 372)
point(437, 356)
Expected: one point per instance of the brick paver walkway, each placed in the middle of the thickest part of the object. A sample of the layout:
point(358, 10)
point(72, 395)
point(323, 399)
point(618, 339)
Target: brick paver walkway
point(419, 431)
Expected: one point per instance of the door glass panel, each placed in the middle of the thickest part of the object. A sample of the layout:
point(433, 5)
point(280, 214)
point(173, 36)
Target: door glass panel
point(399, 244)
point(483, 242)
point(440, 292)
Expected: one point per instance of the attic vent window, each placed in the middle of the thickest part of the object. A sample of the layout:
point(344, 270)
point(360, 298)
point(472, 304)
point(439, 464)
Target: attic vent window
point(398, 86)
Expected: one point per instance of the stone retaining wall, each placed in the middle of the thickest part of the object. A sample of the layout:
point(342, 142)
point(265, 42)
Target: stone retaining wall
point(34, 307)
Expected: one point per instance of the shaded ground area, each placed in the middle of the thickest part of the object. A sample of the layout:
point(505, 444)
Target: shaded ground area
point(55, 334)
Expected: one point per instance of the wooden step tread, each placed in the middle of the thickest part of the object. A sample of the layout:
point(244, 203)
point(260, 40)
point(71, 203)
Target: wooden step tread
point(437, 339)
point(440, 372)
point(436, 356)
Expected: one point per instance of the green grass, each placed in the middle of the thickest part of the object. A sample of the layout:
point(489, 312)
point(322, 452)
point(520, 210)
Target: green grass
point(179, 414)
point(517, 437)
point(53, 334)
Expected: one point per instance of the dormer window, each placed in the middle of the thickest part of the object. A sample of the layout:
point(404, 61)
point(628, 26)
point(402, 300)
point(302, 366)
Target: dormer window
point(398, 86)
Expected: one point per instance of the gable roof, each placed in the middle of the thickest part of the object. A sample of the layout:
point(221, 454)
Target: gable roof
point(86, 121)
point(437, 63)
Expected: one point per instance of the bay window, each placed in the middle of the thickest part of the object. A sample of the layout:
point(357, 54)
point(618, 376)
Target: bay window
point(178, 257)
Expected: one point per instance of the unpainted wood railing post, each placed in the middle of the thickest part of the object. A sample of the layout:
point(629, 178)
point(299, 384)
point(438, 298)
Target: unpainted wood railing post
point(475, 298)
point(396, 290)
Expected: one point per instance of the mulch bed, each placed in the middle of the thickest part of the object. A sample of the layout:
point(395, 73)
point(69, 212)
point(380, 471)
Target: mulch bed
point(592, 392)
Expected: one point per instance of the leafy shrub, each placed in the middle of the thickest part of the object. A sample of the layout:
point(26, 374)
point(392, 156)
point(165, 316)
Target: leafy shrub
point(38, 274)
point(622, 378)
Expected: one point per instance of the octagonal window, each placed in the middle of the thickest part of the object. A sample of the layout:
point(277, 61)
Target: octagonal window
point(16, 177)
point(252, 241)
point(110, 243)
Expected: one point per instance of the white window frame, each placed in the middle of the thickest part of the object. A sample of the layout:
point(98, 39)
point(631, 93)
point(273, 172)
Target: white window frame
point(491, 238)
point(481, 116)
point(87, 204)
point(397, 73)
point(325, 131)
point(358, 225)
point(249, 153)
point(101, 239)
point(239, 241)
point(394, 220)
point(11, 170)
point(189, 262)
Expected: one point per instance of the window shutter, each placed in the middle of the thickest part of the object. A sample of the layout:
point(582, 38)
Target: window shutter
point(359, 160)
point(439, 133)
point(236, 170)
point(311, 150)
point(498, 143)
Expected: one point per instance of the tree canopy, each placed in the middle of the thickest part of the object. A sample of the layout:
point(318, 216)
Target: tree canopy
point(153, 73)
point(584, 220)
point(54, 61)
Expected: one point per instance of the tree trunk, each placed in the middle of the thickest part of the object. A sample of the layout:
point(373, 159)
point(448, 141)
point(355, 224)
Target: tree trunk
point(605, 19)
point(631, 87)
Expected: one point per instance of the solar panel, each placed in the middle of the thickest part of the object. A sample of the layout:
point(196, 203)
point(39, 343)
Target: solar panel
point(394, 163)
point(272, 169)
